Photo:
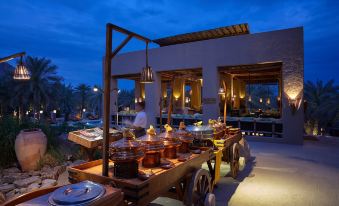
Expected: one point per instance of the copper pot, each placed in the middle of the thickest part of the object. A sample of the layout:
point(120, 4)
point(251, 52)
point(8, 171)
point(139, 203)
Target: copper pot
point(153, 145)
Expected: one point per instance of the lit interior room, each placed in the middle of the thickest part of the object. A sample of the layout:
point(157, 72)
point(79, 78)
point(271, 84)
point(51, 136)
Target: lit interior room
point(253, 98)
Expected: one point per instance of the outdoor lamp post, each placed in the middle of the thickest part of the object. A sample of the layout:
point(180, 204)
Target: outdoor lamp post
point(116, 103)
point(20, 72)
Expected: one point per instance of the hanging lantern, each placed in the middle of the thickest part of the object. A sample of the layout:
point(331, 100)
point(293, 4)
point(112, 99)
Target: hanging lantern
point(260, 100)
point(268, 101)
point(221, 91)
point(21, 72)
point(146, 73)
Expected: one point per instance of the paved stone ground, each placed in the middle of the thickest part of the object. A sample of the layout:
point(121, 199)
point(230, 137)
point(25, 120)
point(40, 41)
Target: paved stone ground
point(286, 175)
point(281, 174)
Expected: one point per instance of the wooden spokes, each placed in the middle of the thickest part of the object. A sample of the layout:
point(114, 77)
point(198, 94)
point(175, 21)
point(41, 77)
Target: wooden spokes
point(234, 163)
point(198, 188)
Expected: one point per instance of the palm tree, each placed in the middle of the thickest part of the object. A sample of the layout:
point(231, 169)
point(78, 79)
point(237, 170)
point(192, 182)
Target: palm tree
point(322, 104)
point(40, 86)
point(6, 93)
point(83, 94)
point(66, 100)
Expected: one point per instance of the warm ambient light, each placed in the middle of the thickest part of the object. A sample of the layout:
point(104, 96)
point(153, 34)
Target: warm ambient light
point(187, 99)
point(136, 100)
point(294, 104)
point(260, 100)
point(21, 72)
point(268, 101)
point(221, 91)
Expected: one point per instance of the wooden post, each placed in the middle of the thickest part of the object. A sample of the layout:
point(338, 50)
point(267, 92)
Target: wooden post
point(107, 99)
point(160, 114)
point(109, 55)
point(170, 105)
point(225, 102)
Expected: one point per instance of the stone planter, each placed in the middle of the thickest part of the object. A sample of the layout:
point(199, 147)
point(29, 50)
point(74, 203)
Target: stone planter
point(30, 146)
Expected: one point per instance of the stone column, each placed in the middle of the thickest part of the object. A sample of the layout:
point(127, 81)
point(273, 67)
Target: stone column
point(210, 96)
point(137, 89)
point(152, 98)
point(293, 88)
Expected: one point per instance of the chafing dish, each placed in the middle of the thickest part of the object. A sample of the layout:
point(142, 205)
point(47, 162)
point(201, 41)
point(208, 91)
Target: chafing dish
point(126, 153)
point(153, 145)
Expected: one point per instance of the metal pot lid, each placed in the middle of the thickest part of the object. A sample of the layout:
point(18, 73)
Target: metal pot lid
point(170, 139)
point(126, 149)
point(184, 135)
point(79, 194)
point(152, 142)
point(202, 128)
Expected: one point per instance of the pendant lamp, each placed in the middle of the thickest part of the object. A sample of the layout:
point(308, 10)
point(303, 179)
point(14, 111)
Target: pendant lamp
point(146, 73)
point(21, 72)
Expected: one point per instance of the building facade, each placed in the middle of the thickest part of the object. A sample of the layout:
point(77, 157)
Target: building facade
point(210, 55)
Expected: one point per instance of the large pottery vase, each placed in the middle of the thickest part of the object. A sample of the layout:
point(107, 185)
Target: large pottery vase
point(30, 146)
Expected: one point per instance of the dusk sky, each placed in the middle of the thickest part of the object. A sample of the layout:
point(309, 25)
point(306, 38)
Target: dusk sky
point(72, 32)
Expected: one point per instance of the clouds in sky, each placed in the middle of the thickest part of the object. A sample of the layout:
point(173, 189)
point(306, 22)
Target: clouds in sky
point(72, 32)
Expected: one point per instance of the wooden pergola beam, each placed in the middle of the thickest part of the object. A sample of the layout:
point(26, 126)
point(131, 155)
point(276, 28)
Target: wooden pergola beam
point(10, 57)
point(109, 55)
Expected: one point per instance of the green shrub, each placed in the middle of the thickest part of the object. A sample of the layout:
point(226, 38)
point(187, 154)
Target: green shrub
point(10, 128)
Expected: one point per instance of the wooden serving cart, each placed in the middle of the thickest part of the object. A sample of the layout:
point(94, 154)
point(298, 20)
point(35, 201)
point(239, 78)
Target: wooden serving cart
point(229, 147)
point(91, 139)
point(191, 184)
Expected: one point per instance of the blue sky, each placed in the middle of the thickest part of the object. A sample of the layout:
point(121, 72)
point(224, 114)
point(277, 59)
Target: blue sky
point(72, 32)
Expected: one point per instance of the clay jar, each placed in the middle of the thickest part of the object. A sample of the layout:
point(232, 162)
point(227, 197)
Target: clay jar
point(30, 146)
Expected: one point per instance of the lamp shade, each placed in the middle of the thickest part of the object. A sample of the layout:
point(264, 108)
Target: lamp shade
point(21, 72)
point(146, 75)
point(221, 90)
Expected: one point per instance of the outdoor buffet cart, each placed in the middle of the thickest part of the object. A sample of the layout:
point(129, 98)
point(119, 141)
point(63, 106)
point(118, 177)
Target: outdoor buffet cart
point(179, 176)
point(181, 173)
point(92, 139)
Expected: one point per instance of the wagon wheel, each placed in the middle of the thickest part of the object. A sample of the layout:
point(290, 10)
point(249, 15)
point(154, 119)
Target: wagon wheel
point(199, 190)
point(234, 162)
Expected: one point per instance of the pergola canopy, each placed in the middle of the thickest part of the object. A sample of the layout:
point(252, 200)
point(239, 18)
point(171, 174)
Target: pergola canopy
point(234, 30)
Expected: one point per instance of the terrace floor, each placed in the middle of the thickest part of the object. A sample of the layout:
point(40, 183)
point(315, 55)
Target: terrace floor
point(286, 175)
point(282, 174)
